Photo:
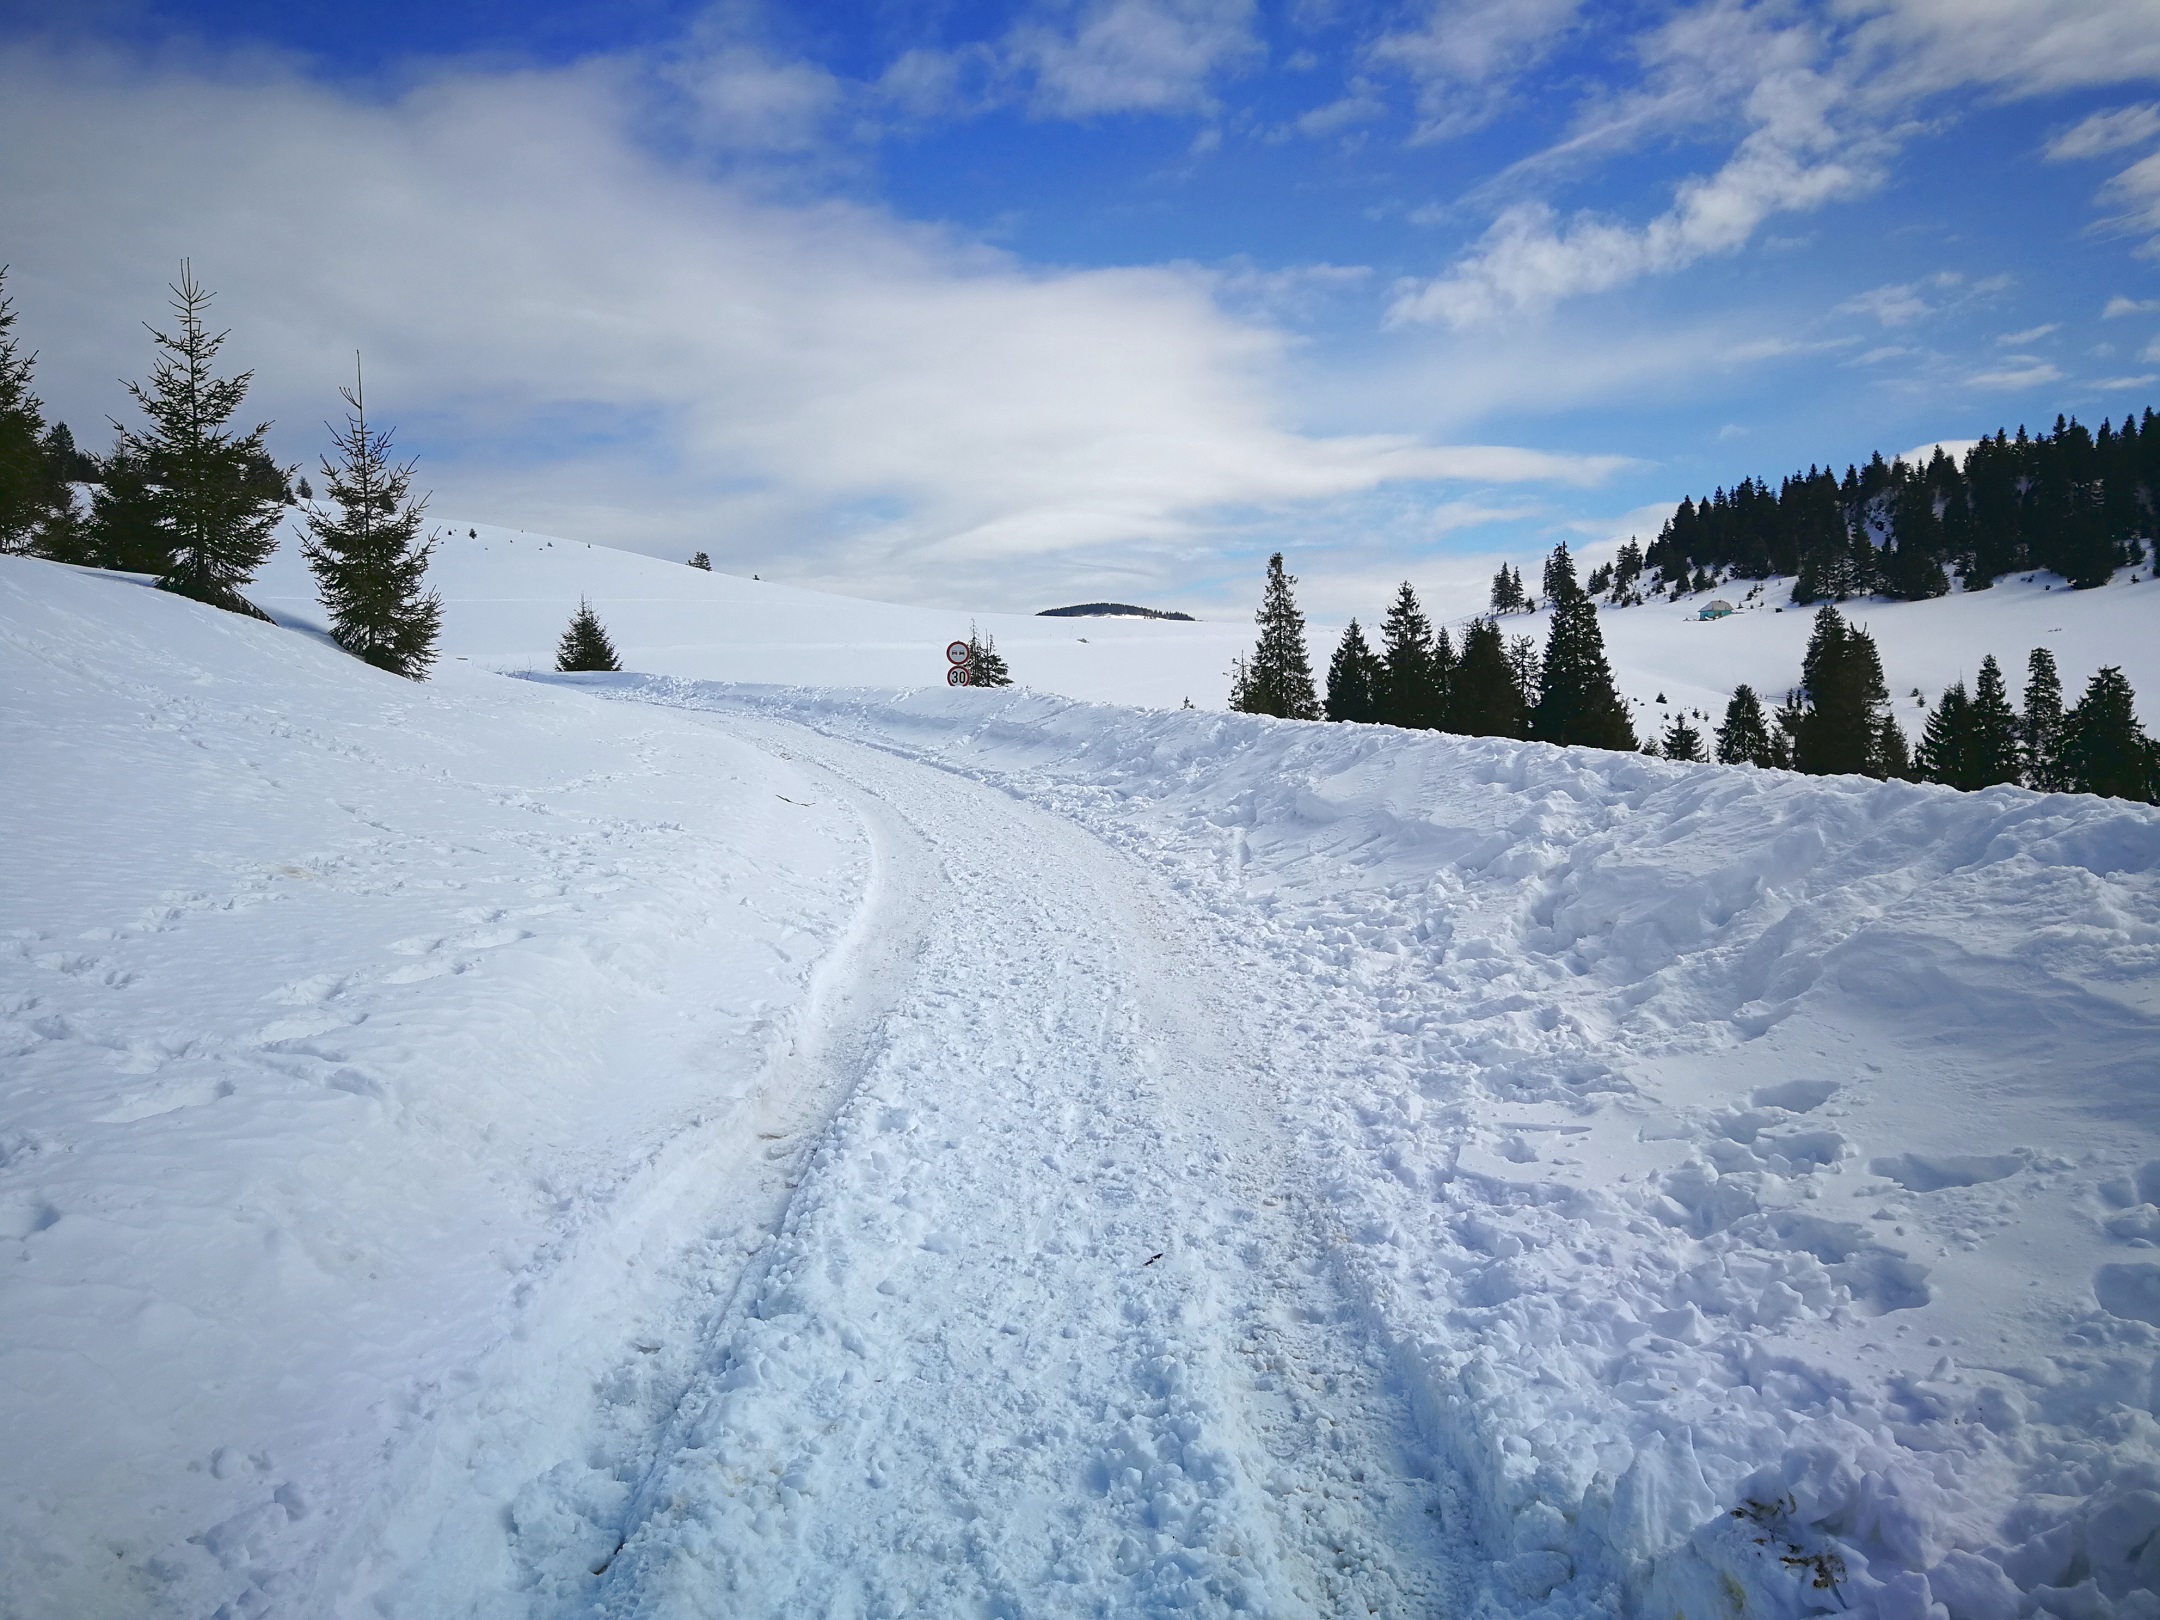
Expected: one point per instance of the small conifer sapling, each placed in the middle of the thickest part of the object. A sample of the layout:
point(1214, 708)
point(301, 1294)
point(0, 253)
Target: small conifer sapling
point(585, 648)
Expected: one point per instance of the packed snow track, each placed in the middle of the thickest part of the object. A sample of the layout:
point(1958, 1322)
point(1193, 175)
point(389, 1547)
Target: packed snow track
point(1049, 1326)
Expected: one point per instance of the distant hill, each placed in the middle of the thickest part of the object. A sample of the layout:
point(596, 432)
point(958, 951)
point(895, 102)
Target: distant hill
point(1111, 610)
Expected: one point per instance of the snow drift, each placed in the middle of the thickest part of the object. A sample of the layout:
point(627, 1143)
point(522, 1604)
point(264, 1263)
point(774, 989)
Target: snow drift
point(1752, 1174)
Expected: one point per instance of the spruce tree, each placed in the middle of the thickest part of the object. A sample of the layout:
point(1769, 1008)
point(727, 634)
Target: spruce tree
point(2104, 749)
point(369, 561)
point(984, 666)
point(1995, 756)
point(1744, 738)
point(700, 561)
point(1410, 692)
point(214, 496)
point(1681, 740)
point(1485, 700)
point(1277, 679)
point(1839, 729)
point(1353, 678)
point(36, 506)
point(1889, 758)
point(1947, 752)
point(2040, 726)
point(585, 648)
point(1577, 704)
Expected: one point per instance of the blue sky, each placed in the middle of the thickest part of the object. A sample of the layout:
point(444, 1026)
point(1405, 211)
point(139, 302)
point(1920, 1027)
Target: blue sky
point(999, 305)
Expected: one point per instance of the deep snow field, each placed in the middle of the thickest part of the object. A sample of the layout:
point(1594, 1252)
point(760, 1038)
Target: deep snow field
point(665, 1145)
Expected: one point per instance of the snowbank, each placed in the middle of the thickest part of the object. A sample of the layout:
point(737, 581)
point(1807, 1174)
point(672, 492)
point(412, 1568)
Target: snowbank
point(1757, 1177)
point(364, 1046)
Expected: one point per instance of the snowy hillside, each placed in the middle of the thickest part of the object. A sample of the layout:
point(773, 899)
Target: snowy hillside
point(646, 1145)
point(508, 595)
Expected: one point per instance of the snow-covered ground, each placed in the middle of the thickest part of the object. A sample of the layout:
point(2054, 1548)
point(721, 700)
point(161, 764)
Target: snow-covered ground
point(508, 595)
point(649, 1145)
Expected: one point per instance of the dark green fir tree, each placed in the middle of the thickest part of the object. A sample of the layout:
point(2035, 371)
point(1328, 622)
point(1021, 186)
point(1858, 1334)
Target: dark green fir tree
point(1946, 752)
point(36, 506)
point(1485, 699)
point(985, 665)
point(1682, 740)
point(1353, 678)
point(585, 648)
point(1745, 737)
point(212, 495)
point(1889, 756)
point(1839, 730)
point(699, 560)
point(1277, 677)
point(369, 561)
point(2104, 749)
point(2040, 725)
point(1577, 703)
point(1995, 753)
point(1410, 689)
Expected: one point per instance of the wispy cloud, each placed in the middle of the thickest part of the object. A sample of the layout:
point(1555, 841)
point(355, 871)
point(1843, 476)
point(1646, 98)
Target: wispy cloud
point(1111, 56)
point(2119, 305)
point(1826, 99)
point(2107, 132)
point(2027, 371)
point(1462, 53)
point(2031, 334)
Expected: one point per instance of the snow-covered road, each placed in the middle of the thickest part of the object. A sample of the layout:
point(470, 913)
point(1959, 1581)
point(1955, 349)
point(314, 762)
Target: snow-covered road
point(1049, 1328)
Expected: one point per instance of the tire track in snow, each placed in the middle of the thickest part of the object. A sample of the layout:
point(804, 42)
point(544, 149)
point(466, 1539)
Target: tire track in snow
point(1048, 1328)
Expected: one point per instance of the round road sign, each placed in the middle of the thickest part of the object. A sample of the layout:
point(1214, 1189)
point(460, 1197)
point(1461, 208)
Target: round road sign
point(956, 675)
point(956, 653)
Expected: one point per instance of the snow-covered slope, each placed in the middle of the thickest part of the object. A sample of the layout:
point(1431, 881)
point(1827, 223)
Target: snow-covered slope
point(649, 1146)
point(357, 1037)
point(508, 595)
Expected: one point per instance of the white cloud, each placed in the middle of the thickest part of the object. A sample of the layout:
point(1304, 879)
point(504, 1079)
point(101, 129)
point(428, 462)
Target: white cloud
point(1825, 98)
point(1900, 303)
point(2026, 371)
point(2026, 47)
point(2031, 334)
point(2107, 132)
point(1131, 55)
point(2137, 191)
point(1461, 52)
point(2117, 384)
point(1362, 105)
point(750, 101)
point(2152, 351)
point(2119, 305)
point(1921, 454)
point(582, 338)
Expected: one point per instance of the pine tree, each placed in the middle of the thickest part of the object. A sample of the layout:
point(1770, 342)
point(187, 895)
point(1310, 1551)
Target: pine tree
point(1353, 678)
point(1410, 691)
point(1508, 595)
point(1839, 730)
point(22, 428)
point(1681, 740)
point(1995, 755)
point(1947, 752)
point(208, 493)
point(1577, 704)
point(984, 666)
point(369, 562)
point(2104, 749)
point(585, 648)
point(2040, 726)
point(1485, 700)
point(1277, 679)
point(1744, 738)
point(1889, 759)
point(699, 560)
